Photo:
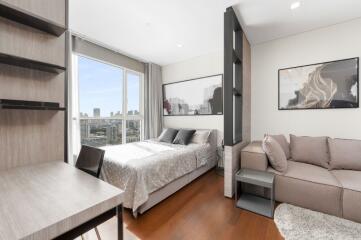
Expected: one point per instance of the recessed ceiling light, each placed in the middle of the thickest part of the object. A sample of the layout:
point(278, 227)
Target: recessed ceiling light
point(179, 45)
point(295, 5)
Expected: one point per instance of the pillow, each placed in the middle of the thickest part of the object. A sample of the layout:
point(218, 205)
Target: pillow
point(201, 136)
point(184, 136)
point(162, 133)
point(345, 154)
point(168, 135)
point(312, 150)
point(275, 154)
point(281, 139)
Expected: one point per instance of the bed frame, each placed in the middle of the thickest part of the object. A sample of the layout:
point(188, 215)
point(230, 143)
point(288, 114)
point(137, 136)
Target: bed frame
point(169, 189)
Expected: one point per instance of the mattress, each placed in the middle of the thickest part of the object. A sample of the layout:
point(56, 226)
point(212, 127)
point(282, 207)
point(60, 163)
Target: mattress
point(141, 168)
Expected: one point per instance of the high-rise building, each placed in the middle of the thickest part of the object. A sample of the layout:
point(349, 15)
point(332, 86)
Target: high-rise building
point(96, 112)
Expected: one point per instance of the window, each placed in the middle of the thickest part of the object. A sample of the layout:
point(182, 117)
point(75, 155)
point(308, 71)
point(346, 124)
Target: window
point(110, 103)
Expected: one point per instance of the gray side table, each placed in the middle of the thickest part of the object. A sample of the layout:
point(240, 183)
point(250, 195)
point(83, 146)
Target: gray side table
point(252, 202)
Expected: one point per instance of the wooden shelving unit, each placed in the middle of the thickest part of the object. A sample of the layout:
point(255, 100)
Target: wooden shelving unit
point(30, 105)
point(27, 18)
point(31, 64)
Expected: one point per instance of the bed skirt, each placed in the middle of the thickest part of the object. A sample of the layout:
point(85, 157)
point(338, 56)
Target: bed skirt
point(166, 191)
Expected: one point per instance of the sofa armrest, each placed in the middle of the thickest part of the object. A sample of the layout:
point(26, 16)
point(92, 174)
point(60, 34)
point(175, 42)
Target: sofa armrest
point(253, 157)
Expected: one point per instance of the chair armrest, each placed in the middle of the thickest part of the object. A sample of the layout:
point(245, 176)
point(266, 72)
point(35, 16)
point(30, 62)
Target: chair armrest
point(253, 157)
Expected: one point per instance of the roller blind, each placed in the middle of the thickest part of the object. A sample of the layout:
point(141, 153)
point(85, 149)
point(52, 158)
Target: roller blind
point(93, 50)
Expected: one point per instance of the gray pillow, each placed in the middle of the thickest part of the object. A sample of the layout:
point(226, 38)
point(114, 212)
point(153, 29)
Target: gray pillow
point(184, 136)
point(275, 154)
point(168, 135)
point(281, 139)
point(345, 154)
point(312, 150)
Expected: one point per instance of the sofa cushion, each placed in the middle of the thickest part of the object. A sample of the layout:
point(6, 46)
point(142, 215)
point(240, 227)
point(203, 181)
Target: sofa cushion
point(281, 139)
point(312, 150)
point(253, 157)
point(310, 173)
point(275, 153)
point(309, 186)
point(345, 154)
point(351, 202)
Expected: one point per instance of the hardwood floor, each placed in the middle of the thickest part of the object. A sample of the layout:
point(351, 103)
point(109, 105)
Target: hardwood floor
point(198, 211)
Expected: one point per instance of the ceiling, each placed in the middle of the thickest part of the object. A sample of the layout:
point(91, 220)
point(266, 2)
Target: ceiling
point(169, 31)
point(264, 20)
point(150, 30)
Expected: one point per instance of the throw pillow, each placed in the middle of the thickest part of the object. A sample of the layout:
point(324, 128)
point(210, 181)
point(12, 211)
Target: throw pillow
point(168, 135)
point(281, 139)
point(201, 136)
point(275, 154)
point(184, 136)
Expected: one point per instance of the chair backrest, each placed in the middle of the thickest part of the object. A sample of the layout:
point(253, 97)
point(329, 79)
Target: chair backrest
point(90, 160)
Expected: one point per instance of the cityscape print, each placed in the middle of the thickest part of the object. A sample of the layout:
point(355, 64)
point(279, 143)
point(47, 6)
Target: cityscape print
point(203, 96)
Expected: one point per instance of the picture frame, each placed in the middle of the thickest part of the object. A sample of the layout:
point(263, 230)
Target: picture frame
point(194, 97)
point(326, 85)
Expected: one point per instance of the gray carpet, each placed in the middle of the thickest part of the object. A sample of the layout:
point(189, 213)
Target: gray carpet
point(295, 223)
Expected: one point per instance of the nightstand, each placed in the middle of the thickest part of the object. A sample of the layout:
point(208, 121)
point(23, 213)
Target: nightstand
point(250, 202)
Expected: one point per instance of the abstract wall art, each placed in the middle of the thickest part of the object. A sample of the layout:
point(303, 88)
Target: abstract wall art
point(319, 86)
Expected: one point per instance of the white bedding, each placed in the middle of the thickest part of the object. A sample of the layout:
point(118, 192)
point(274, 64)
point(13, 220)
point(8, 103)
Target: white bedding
point(141, 168)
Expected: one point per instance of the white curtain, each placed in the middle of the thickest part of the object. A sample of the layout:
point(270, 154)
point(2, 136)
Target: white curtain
point(73, 103)
point(153, 106)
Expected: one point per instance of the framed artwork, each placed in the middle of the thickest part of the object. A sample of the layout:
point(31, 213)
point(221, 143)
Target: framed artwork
point(319, 86)
point(194, 97)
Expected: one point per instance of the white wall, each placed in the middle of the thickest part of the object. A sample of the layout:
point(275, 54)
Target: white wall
point(205, 65)
point(332, 43)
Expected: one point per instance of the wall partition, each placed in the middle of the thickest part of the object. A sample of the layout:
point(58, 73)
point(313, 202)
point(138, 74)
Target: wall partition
point(237, 96)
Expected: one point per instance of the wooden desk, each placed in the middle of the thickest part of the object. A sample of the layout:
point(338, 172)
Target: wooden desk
point(54, 200)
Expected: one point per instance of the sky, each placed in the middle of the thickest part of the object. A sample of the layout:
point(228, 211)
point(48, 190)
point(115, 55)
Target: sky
point(101, 86)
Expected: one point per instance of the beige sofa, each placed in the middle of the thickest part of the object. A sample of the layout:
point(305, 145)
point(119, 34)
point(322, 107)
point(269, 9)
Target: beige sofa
point(335, 192)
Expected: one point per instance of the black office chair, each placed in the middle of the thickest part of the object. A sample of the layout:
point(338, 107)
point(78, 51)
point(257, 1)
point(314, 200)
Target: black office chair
point(90, 160)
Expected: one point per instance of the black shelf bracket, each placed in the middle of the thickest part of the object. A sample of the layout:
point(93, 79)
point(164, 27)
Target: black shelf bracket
point(27, 18)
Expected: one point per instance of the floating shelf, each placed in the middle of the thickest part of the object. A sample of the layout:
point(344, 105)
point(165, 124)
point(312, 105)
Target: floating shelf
point(30, 105)
point(29, 63)
point(30, 19)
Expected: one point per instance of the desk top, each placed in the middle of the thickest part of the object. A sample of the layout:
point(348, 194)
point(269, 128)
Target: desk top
point(42, 201)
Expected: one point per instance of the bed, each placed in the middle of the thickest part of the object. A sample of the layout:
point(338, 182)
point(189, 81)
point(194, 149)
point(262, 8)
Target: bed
point(150, 171)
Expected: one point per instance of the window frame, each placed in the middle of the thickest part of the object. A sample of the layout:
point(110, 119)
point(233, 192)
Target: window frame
point(124, 116)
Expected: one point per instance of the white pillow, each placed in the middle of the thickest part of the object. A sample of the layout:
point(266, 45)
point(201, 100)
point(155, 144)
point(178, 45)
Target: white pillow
point(201, 136)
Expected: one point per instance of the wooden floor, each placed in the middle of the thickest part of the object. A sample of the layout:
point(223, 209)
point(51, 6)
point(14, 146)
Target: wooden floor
point(198, 211)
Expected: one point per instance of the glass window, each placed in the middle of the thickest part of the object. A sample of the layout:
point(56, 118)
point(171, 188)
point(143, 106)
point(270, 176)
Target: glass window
point(133, 131)
point(100, 89)
point(133, 84)
point(104, 112)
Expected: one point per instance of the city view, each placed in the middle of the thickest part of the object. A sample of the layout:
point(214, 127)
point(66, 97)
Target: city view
point(99, 131)
point(101, 98)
